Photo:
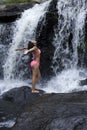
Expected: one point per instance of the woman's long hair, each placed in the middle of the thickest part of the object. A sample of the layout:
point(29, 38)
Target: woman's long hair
point(30, 45)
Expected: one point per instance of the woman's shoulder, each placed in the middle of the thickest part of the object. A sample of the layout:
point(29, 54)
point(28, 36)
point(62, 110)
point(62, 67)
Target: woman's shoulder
point(35, 47)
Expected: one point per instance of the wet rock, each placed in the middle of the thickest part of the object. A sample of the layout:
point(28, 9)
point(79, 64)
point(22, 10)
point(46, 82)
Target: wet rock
point(9, 13)
point(83, 82)
point(73, 123)
point(20, 95)
point(55, 111)
point(44, 35)
point(13, 102)
point(82, 49)
point(44, 112)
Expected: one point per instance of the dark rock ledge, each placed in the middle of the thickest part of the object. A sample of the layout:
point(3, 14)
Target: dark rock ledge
point(43, 111)
point(9, 13)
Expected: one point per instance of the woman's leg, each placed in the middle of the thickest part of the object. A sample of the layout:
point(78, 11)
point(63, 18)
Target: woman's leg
point(34, 78)
point(38, 76)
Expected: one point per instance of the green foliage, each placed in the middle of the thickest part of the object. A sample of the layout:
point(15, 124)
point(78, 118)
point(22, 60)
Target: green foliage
point(15, 1)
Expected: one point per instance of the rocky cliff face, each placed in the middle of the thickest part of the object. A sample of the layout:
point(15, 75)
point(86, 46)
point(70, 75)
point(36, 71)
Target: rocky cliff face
point(82, 55)
point(45, 34)
point(9, 13)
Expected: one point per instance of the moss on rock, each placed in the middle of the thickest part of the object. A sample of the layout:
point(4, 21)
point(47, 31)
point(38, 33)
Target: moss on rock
point(15, 1)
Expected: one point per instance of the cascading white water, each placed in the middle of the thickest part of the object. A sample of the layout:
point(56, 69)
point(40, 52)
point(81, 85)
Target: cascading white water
point(72, 14)
point(25, 31)
point(71, 18)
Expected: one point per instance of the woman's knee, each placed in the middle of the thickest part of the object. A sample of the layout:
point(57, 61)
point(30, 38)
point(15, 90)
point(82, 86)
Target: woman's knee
point(39, 75)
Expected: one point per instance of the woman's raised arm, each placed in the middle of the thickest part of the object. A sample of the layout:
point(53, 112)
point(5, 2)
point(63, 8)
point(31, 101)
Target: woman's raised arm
point(26, 51)
point(20, 49)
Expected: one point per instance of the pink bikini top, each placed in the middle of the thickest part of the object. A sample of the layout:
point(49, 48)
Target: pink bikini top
point(38, 53)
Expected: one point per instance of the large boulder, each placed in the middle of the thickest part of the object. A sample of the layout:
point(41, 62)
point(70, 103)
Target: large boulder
point(43, 111)
point(13, 102)
point(9, 13)
point(55, 111)
point(83, 82)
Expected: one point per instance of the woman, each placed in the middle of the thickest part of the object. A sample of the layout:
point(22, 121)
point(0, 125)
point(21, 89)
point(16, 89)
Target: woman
point(35, 63)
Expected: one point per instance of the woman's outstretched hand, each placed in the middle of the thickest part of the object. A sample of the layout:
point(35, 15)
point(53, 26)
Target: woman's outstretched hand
point(16, 49)
point(26, 52)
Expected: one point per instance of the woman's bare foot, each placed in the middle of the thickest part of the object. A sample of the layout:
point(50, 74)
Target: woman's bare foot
point(35, 91)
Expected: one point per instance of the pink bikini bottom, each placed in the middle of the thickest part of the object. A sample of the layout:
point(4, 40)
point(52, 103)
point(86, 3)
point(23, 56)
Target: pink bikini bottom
point(34, 63)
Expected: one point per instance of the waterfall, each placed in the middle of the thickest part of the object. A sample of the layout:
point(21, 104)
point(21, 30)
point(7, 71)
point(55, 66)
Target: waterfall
point(5, 38)
point(68, 37)
point(16, 66)
point(70, 25)
point(25, 29)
